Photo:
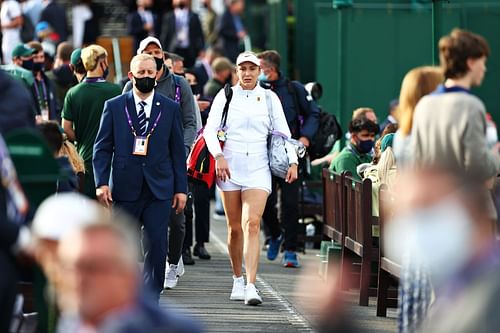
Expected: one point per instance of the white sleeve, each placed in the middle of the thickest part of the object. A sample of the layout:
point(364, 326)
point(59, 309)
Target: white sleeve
point(14, 9)
point(280, 125)
point(213, 123)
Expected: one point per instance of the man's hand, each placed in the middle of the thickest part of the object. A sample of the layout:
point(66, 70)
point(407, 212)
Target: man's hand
point(203, 105)
point(242, 34)
point(292, 173)
point(104, 195)
point(305, 141)
point(179, 202)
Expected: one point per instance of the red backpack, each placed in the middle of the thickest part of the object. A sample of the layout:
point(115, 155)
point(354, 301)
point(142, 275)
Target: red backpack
point(200, 163)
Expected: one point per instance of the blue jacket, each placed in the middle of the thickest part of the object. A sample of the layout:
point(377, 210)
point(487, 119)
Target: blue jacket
point(285, 89)
point(164, 167)
point(17, 109)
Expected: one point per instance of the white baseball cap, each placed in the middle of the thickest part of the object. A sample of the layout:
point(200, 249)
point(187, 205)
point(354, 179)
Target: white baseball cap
point(62, 213)
point(146, 41)
point(247, 56)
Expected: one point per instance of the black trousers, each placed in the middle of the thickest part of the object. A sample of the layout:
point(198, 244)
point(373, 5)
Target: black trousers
point(201, 200)
point(176, 236)
point(8, 290)
point(289, 212)
point(154, 215)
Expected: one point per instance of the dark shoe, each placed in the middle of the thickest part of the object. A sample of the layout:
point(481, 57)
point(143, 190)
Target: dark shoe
point(186, 257)
point(201, 252)
point(274, 247)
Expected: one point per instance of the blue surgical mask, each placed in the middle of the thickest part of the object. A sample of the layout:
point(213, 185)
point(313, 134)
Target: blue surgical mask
point(437, 237)
point(365, 146)
point(263, 77)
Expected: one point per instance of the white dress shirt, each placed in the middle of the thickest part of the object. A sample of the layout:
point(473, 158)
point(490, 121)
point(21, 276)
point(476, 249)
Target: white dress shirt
point(147, 108)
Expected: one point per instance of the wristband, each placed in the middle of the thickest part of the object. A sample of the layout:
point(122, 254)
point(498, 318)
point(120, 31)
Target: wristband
point(216, 157)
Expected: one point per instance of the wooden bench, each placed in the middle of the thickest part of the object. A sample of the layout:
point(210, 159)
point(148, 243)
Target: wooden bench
point(358, 247)
point(333, 200)
point(389, 270)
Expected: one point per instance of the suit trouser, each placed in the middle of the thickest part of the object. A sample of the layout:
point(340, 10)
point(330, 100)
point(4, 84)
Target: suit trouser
point(201, 199)
point(176, 236)
point(154, 215)
point(289, 212)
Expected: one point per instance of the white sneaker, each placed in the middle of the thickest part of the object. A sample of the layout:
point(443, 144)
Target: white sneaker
point(180, 268)
point(171, 277)
point(252, 296)
point(238, 292)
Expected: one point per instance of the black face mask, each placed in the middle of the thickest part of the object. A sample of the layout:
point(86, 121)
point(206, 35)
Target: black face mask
point(182, 5)
point(105, 73)
point(195, 88)
point(159, 63)
point(145, 84)
point(38, 66)
point(28, 64)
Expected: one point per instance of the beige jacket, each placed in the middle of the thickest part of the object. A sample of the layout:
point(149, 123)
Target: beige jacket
point(449, 130)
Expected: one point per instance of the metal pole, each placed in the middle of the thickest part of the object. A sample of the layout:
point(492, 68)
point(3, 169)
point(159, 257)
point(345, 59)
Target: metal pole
point(437, 14)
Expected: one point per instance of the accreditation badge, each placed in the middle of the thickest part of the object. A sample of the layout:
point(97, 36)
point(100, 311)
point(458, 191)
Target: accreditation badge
point(45, 114)
point(140, 145)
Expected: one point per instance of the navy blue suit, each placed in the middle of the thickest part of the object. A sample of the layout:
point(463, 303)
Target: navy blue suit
point(143, 185)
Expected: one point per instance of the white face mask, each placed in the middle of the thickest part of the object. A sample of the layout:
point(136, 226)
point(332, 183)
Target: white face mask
point(437, 237)
point(491, 136)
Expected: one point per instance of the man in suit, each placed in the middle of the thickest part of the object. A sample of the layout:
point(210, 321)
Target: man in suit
point(231, 30)
point(141, 137)
point(99, 263)
point(142, 22)
point(182, 32)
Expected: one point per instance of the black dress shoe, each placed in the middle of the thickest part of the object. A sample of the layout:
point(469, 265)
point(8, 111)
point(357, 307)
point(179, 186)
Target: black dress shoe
point(187, 259)
point(201, 252)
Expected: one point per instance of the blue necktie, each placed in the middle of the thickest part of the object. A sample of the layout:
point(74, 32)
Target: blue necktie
point(142, 119)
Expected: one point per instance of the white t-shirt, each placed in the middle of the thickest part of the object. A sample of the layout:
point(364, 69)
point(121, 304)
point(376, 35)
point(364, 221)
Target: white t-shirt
point(10, 10)
point(81, 13)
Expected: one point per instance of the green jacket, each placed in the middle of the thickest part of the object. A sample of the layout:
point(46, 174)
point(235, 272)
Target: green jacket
point(348, 159)
point(21, 74)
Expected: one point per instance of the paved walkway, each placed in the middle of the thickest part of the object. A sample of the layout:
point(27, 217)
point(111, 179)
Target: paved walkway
point(204, 293)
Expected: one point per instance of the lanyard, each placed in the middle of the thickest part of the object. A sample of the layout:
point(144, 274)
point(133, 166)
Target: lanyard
point(177, 93)
point(94, 80)
point(44, 90)
point(129, 120)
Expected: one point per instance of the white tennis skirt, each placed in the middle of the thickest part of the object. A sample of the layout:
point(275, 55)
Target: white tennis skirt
point(248, 171)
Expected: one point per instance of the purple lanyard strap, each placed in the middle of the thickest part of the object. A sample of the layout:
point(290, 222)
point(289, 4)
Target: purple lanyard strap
point(178, 94)
point(44, 90)
point(129, 120)
point(94, 80)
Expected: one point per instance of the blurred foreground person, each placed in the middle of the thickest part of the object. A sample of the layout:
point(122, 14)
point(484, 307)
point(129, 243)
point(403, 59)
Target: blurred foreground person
point(442, 224)
point(100, 261)
point(57, 216)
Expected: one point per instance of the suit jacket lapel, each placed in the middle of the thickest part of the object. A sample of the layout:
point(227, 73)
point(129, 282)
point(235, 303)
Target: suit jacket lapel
point(155, 111)
point(132, 110)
